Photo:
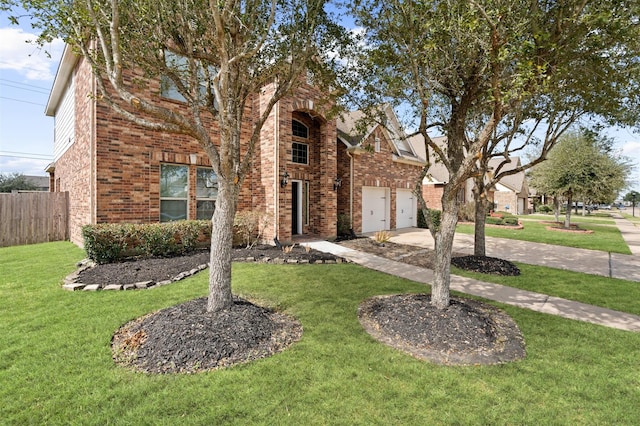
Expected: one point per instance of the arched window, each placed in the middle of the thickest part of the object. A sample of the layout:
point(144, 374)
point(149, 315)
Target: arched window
point(299, 129)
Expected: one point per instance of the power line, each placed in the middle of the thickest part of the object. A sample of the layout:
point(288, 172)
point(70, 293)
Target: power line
point(26, 157)
point(46, 89)
point(24, 153)
point(27, 90)
point(20, 100)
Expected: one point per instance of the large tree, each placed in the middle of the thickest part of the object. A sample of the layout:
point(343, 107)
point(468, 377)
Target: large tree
point(464, 68)
point(216, 55)
point(581, 168)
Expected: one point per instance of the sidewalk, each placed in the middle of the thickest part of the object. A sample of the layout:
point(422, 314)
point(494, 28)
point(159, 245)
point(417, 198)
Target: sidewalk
point(587, 261)
point(614, 265)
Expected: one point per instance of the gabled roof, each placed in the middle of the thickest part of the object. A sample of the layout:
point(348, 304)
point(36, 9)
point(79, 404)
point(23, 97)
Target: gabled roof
point(354, 137)
point(515, 182)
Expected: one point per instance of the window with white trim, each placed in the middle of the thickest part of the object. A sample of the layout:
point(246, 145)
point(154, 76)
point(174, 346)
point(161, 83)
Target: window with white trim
point(377, 145)
point(174, 190)
point(299, 150)
point(206, 193)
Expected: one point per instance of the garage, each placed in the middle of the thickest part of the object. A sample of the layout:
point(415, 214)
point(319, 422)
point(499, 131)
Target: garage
point(375, 208)
point(405, 209)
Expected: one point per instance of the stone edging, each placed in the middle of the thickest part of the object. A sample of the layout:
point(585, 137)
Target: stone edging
point(72, 281)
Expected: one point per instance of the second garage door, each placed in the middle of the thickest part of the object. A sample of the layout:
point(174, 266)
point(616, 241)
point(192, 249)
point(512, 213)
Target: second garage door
point(405, 209)
point(375, 208)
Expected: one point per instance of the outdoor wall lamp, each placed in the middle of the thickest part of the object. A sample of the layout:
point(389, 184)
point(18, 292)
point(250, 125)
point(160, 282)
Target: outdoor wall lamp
point(337, 183)
point(285, 179)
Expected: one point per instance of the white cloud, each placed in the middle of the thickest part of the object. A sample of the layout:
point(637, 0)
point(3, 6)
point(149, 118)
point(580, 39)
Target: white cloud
point(631, 149)
point(18, 53)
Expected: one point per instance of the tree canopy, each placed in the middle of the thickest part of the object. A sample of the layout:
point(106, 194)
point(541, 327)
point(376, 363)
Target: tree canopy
point(15, 181)
point(481, 71)
point(581, 168)
point(216, 55)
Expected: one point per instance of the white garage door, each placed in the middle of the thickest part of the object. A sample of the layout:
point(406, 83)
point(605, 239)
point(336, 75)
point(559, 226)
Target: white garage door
point(375, 209)
point(405, 209)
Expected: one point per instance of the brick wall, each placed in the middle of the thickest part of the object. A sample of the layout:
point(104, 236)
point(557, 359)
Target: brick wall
point(373, 169)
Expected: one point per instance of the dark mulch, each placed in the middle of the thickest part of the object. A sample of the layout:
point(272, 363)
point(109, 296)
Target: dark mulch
point(468, 332)
point(425, 258)
point(187, 339)
point(166, 268)
point(486, 265)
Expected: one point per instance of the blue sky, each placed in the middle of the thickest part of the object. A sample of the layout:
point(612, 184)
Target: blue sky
point(26, 77)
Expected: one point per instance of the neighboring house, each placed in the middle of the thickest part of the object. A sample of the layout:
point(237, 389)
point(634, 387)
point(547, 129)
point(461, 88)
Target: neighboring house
point(510, 194)
point(41, 183)
point(303, 174)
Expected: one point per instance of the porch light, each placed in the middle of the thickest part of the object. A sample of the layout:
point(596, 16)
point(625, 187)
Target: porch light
point(285, 179)
point(337, 183)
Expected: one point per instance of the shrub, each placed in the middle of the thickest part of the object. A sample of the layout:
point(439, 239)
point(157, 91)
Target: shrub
point(544, 208)
point(249, 227)
point(344, 225)
point(494, 221)
point(435, 218)
point(107, 243)
point(511, 221)
point(382, 236)
point(467, 212)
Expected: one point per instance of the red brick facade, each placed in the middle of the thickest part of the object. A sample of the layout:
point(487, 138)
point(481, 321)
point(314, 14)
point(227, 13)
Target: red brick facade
point(112, 170)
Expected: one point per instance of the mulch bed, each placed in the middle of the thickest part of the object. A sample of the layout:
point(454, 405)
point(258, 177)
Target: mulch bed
point(166, 268)
point(467, 332)
point(187, 339)
point(573, 228)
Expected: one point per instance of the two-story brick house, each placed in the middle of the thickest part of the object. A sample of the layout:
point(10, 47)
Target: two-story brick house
point(306, 169)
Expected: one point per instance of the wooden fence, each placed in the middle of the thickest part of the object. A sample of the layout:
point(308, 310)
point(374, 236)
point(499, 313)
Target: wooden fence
point(33, 217)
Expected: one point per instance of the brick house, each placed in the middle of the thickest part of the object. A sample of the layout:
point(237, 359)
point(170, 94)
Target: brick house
point(304, 174)
point(509, 194)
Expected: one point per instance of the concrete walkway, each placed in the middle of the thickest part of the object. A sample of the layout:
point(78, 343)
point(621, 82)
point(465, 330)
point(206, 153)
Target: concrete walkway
point(588, 261)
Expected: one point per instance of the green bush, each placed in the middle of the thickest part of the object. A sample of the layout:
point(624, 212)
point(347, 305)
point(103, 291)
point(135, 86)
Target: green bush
point(107, 243)
point(543, 208)
point(344, 224)
point(494, 221)
point(435, 218)
point(511, 221)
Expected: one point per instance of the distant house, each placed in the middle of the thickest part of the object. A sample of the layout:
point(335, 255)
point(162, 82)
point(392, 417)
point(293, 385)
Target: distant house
point(40, 182)
point(307, 169)
point(510, 194)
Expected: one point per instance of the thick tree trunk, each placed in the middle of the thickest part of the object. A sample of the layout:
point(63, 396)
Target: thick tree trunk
point(479, 240)
point(220, 296)
point(556, 208)
point(440, 294)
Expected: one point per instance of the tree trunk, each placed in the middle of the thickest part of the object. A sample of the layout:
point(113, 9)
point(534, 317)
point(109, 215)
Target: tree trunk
point(567, 217)
point(220, 296)
point(556, 208)
point(479, 240)
point(440, 294)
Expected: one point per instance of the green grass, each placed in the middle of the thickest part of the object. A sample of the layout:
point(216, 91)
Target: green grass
point(611, 293)
point(56, 366)
point(604, 237)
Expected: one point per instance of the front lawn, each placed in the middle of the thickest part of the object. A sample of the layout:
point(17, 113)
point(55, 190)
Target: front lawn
point(56, 367)
point(604, 237)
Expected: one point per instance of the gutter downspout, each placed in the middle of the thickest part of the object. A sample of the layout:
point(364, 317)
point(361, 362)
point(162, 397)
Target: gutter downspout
point(351, 179)
point(276, 168)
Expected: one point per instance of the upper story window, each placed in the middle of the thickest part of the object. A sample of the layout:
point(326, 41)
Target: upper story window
point(180, 66)
point(377, 145)
point(299, 129)
point(299, 150)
